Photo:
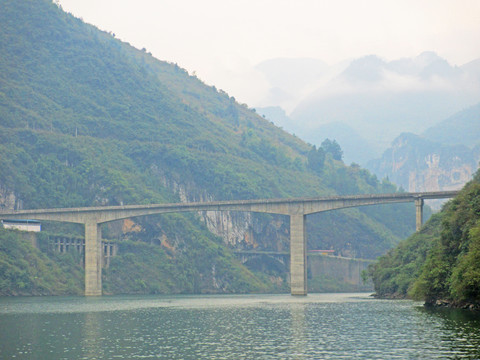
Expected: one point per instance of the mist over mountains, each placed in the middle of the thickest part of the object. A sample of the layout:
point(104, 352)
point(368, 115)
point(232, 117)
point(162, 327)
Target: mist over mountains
point(443, 157)
point(365, 103)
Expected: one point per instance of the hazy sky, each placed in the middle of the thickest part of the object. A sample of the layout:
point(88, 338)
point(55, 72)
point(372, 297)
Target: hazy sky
point(221, 40)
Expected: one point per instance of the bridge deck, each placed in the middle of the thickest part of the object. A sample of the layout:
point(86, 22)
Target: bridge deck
point(260, 205)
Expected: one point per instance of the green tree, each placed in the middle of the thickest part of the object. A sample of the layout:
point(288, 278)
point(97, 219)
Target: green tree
point(332, 148)
point(316, 159)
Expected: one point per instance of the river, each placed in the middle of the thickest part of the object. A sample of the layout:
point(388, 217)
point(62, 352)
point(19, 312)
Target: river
point(319, 326)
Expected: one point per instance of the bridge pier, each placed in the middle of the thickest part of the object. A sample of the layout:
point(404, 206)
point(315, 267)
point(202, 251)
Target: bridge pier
point(419, 213)
point(298, 255)
point(93, 259)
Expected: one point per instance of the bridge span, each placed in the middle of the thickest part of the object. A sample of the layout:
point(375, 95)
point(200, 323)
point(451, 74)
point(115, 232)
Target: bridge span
point(296, 208)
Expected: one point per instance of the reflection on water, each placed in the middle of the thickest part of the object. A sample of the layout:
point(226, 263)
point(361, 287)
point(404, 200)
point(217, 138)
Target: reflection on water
point(460, 330)
point(298, 337)
point(320, 326)
point(91, 339)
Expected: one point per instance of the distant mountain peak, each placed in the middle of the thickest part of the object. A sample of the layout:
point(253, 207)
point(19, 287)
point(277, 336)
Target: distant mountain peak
point(427, 57)
point(404, 138)
point(365, 69)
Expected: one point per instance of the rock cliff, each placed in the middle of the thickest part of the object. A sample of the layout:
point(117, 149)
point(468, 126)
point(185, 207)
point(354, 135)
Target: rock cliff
point(418, 164)
point(241, 230)
point(8, 200)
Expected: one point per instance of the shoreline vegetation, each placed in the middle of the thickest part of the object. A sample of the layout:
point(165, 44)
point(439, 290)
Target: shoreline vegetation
point(440, 264)
point(437, 304)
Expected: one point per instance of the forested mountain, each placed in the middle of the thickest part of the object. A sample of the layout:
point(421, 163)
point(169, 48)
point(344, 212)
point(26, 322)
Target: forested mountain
point(86, 119)
point(441, 263)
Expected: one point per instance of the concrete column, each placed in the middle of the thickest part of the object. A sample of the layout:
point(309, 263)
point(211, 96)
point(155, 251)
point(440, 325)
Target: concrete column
point(419, 213)
point(298, 255)
point(93, 259)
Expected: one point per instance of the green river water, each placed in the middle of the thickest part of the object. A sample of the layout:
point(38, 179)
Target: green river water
point(319, 326)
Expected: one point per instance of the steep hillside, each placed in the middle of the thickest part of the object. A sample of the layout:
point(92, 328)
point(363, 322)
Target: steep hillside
point(25, 270)
point(452, 267)
point(441, 263)
point(88, 120)
point(395, 272)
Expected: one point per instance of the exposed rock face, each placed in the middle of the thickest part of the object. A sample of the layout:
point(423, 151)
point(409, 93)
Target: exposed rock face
point(235, 228)
point(435, 177)
point(242, 230)
point(8, 200)
point(418, 164)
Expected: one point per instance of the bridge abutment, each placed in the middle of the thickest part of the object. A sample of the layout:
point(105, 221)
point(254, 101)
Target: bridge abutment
point(298, 255)
point(93, 259)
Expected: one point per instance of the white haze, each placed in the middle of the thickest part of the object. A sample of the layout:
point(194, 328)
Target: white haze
point(398, 76)
point(223, 40)
point(313, 58)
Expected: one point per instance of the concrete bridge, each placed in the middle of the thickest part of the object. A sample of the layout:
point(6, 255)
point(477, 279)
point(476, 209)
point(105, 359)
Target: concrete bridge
point(297, 209)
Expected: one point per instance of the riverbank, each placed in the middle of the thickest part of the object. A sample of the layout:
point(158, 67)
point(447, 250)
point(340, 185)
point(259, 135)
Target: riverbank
point(438, 303)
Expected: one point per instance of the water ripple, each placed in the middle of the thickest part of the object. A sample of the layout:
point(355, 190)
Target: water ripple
point(320, 326)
